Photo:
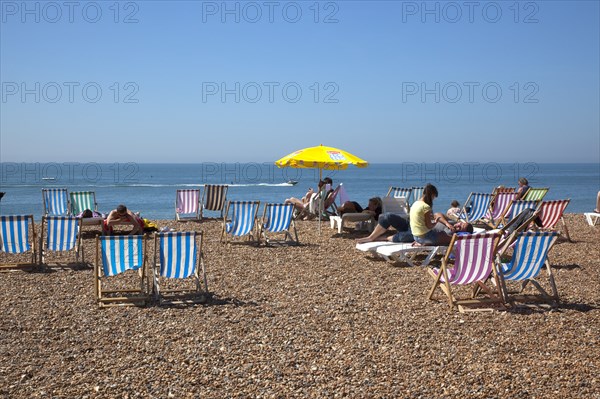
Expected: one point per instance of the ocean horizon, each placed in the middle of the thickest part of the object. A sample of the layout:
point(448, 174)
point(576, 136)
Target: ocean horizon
point(149, 188)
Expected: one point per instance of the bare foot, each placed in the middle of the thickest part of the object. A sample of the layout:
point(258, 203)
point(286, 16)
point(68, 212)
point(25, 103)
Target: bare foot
point(364, 240)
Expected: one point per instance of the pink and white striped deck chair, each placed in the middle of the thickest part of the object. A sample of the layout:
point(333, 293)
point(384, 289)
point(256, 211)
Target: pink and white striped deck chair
point(187, 205)
point(500, 206)
point(551, 212)
point(473, 264)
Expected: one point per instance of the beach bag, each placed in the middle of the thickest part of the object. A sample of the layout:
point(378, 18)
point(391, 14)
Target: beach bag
point(150, 226)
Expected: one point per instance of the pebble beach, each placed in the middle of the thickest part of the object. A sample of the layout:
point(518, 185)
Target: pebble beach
point(319, 320)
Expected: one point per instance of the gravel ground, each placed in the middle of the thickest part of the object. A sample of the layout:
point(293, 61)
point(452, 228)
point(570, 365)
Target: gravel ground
point(317, 320)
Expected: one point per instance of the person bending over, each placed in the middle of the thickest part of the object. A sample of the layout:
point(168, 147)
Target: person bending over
point(123, 215)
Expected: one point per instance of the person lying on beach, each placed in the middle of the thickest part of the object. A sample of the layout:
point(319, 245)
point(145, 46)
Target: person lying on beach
point(123, 215)
point(303, 205)
point(373, 208)
point(424, 224)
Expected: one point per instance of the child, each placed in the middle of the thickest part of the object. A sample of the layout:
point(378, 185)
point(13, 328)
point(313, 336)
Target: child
point(454, 211)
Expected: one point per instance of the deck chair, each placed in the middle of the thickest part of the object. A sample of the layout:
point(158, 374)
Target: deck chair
point(407, 253)
point(16, 238)
point(179, 271)
point(416, 193)
point(476, 207)
point(214, 197)
point(535, 194)
point(56, 201)
point(277, 218)
point(499, 206)
point(62, 234)
point(516, 207)
point(115, 257)
point(530, 255)
point(592, 218)
point(473, 264)
point(82, 200)
point(399, 192)
point(187, 205)
point(551, 212)
point(243, 218)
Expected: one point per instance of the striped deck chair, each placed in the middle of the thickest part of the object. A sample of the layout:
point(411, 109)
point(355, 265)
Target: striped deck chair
point(475, 208)
point(62, 234)
point(82, 200)
point(242, 222)
point(530, 255)
point(115, 256)
point(56, 201)
point(516, 207)
point(16, 238)
point(399, 192)
point(551, 212)
point(214, 197)
point(277, 218)
point(535, 194)
point(473, 264)
point(179, 271)
point(187, 205)
point(502, 189)
point(416, 193)
point(500, 205)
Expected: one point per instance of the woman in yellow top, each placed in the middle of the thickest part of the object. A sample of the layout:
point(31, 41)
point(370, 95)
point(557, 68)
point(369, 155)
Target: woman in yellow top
point(423, 222)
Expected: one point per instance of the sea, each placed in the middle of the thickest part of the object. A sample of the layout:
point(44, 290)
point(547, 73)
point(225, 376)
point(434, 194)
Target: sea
point(151, 188)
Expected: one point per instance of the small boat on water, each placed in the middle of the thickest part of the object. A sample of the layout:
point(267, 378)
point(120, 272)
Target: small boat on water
point(292, 182)
point(48, 178)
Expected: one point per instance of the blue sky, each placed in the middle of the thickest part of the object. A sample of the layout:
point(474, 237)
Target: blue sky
point(390, 81)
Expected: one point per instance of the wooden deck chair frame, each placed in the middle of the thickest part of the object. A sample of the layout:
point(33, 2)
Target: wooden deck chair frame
point(214, 198)
point(18, 247)
point(77, 247)
point(535, 194)
point(49, 208)
point(479, 285)
point(253, 234)
point(194, 215)
point(513, 297)
point(558, 208)
point(197, 291)
point(139, 296)
point(265, 223)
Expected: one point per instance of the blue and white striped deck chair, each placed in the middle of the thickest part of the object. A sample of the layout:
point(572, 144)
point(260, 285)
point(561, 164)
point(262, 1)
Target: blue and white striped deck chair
point(530, 255)
point(214, 197)
point(15, 238)
point(82, 200)
point(62, 234)
point(399, 192)
point(277, 218)
point(243, 218)
point(478, 205)
point(516, 207)
point(117, 255)
point(416, 194)
point(187, 205)
point(56, 201)
point(179, 272)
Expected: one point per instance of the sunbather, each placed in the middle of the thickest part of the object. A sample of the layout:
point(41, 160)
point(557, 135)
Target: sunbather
point(302, 206)
point(124, 215)
point(373, 208)
point(523, 187)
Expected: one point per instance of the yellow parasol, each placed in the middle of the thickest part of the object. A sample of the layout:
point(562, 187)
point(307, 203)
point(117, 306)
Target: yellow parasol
point(322, 157)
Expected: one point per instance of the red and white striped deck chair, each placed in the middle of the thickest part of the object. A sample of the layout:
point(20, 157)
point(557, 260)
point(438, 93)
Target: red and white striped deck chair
point(500, 205)
point(214, 198)
point(187, 205)
point(473, 264)
point(551, 212)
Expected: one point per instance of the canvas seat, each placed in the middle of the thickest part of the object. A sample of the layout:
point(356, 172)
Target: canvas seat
point(240, 220)
point(179, 271)
point(535, 194)
point(530, 256)
point(475, 208)
point(56, 201)
point(551, 212)
point(82, 200)
point(62, 234)
point(17, 236)
point(214, 198)
point(500, 204)
point(187, 205)
point(278, 218)
point(469, 261)
point(121, 265)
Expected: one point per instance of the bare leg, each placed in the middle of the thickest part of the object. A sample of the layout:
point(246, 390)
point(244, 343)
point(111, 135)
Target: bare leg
point(378, 231)
point(597, 210)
